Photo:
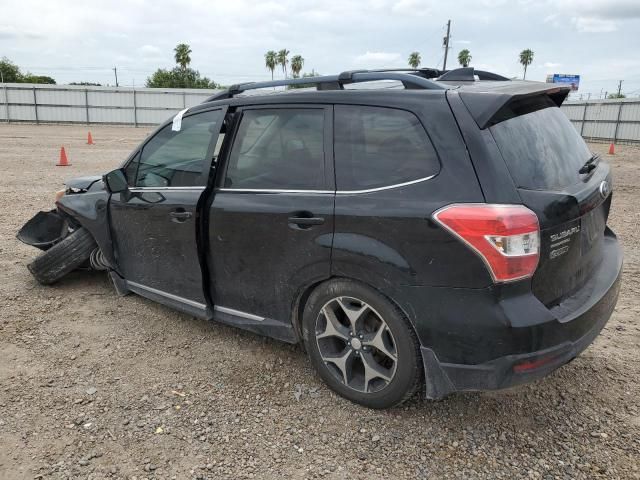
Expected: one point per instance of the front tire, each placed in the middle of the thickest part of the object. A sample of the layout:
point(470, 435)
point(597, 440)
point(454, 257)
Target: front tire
point(361, 344)
point(65, 256)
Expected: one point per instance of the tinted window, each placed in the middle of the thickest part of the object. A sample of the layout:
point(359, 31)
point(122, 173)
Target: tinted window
point(131, 169)
point(278, 149)
point(178, 159)
point(377, 147)
point(542, 149)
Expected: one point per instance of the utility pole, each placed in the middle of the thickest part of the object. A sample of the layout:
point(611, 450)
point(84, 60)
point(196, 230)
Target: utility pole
point(619, 88)
point(446, 44)
point(115, 71)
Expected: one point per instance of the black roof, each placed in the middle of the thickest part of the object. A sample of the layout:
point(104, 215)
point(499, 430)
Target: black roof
point(484, 93)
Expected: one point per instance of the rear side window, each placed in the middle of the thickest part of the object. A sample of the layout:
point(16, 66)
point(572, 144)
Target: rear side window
point(377, 147)
point(543, 151)
point(278, 149)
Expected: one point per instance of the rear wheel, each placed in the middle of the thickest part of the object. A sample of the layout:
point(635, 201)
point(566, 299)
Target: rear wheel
point(65, 256)
point(361, 344)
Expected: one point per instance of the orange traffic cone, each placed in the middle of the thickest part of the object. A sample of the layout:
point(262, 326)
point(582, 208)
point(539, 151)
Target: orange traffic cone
point(612, 149)
point(63, 162)
point(89, 139)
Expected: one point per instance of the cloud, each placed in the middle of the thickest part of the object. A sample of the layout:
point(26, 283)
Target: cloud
point(462, 42)
point(551, 65)
point(10, 32)
point(378, 59)
point(149, 51)
point(412, 7)
point(594, 25)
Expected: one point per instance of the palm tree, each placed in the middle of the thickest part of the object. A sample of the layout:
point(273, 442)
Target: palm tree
point(270, 61)
point(297, 62)
point(464, 58)
point(526, 59)
point(415, 59)
point(283, 60)
point(182, 55)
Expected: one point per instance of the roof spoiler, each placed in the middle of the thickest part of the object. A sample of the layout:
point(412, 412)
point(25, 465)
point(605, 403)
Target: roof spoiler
point(493, 105)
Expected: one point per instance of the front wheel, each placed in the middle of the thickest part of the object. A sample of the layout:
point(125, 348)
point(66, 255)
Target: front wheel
point(65, 256)
point(361, 344)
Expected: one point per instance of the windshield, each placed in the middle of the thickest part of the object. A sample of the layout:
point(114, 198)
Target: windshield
point(542, 149)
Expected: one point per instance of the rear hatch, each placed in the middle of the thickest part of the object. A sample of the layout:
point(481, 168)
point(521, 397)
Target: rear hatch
point(545, 156)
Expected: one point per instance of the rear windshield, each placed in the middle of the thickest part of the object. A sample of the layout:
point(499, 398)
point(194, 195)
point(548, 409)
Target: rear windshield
point(542, 149)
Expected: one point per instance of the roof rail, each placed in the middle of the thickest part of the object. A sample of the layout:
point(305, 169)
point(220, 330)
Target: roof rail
point(468, 74)
point(335, 82)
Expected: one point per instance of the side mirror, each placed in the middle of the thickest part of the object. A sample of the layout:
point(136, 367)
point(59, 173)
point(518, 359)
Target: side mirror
point(115, 181)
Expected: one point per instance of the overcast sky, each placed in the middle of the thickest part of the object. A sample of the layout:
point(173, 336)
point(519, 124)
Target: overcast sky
point(83, 41)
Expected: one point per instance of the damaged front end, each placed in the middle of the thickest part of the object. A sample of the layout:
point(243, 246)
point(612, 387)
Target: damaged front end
point(47, 228)
point(44, 230)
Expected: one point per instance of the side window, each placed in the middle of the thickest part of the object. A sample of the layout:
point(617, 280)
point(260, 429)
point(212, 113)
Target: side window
point(278, 149)
point(378, 147)
point(178, 159)
point(131, 169)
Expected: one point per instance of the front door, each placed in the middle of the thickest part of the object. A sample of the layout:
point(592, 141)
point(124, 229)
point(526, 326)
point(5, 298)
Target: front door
point(154, 223)
point(271, 220)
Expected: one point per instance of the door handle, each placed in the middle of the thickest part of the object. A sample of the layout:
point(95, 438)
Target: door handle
point(306, 221)
point(180, 216)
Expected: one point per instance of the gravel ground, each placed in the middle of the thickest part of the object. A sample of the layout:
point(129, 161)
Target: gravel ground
point(93, 385)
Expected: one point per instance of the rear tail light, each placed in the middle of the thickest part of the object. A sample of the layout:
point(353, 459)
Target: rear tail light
point(507, 237)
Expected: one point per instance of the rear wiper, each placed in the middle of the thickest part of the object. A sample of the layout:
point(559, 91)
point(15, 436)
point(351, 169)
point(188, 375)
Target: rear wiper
point(590, 165)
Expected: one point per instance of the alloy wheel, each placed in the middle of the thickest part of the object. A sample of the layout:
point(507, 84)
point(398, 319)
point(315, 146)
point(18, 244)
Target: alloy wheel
point(356, 344)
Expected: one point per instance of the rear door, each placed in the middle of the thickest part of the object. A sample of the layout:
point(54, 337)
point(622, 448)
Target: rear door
point(154, 224)
point(544, 154)
point(271, 220)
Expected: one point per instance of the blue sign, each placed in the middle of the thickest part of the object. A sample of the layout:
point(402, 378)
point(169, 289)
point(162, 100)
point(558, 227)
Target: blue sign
point(572, 81)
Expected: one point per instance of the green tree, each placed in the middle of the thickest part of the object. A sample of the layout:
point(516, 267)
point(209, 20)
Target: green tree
point(526, 59)
point(415, 59)
point(271, 61)
point(283, 60)
point(30, 78)
point(182, 54)
point(297, 62)
point(10, 71)
point(179, 78)
point(616, 95)
point(464, 57)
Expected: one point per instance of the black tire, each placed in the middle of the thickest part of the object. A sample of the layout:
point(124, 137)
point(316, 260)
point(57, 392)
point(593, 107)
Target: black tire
point(408, 372)
point(65, 256)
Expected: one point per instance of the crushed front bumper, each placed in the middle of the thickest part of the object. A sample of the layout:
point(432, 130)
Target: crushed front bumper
point(44, 230)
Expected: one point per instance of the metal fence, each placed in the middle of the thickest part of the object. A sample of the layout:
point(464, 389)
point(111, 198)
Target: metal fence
point(107, 105)
point(615, 121)
point(598, 120)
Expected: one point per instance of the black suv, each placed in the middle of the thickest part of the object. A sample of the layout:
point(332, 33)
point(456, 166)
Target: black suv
point(404, 230)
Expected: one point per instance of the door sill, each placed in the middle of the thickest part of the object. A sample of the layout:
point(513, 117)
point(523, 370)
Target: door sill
point(197, 309)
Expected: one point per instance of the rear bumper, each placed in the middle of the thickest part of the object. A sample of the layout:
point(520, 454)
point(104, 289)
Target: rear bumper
point(557, 336)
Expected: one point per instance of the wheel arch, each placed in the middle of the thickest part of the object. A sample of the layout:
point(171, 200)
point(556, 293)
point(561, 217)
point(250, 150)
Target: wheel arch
point(90, 210)
point(305, 292)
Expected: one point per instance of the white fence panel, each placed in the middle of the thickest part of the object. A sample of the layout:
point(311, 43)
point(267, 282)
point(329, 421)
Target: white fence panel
point(57, 97)
point(604, 120)
point(154, 117)
point(160, 100)
point(61, 114)
point(629, 131)
point(25, 113)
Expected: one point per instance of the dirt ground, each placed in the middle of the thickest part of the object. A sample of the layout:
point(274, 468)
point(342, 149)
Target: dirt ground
point(93, 385)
